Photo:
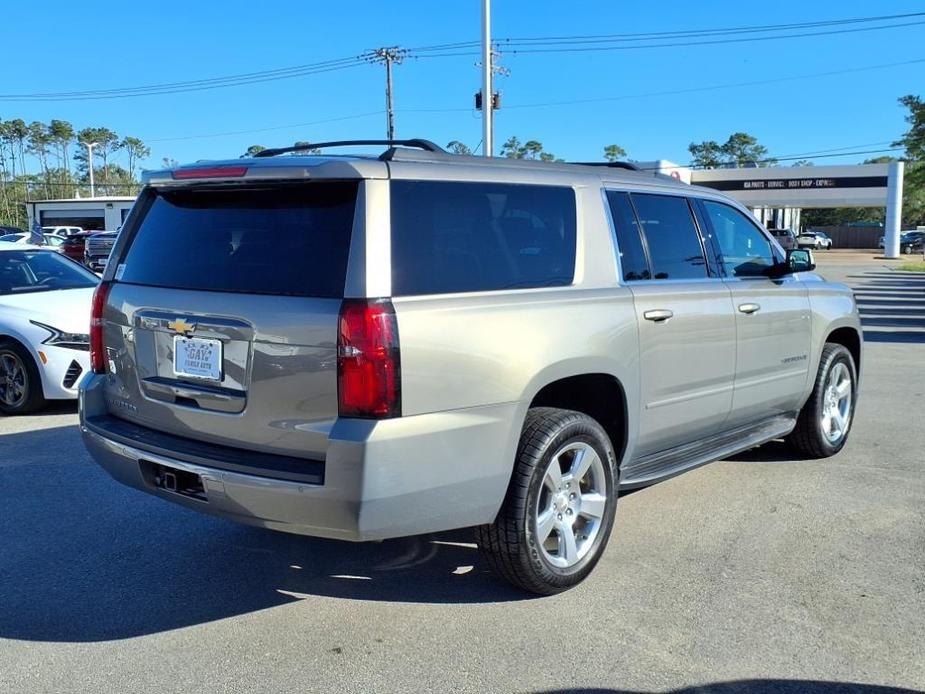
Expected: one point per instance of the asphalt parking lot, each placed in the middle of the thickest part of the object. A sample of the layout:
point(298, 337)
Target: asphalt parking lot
point(759, 573)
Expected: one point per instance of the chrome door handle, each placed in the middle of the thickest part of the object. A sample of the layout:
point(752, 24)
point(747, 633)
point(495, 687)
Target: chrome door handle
point(658, 315)
point(749, 308)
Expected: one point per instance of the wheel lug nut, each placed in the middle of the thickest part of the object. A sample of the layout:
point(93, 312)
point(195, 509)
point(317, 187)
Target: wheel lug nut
point(572, 495)
point(568, 511)
point(560, 516)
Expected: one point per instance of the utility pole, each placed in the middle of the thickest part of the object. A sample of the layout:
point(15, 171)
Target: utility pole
point(487, 94)
point(389, 55)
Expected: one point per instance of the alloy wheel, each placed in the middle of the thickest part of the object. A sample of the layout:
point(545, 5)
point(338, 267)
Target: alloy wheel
point(570, 506)
point(13, 388)
point(837, 403)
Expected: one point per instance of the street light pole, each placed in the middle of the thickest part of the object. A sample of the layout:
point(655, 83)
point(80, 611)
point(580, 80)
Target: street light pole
point(487, 96)
point(90, 146)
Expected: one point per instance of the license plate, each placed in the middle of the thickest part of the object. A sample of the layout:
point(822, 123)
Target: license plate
point(198, 357)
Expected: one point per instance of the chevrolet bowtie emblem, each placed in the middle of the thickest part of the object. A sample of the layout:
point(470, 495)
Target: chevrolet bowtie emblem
point(181, 327)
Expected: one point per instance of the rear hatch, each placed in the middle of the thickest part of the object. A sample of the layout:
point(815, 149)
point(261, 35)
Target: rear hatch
point(221, 323)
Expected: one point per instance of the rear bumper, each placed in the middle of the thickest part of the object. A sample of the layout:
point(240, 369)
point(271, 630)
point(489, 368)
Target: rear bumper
point(390, 478)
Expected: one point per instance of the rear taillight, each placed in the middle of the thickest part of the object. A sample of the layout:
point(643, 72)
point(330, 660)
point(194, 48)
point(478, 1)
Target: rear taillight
point(368, 360)
point(97, 348)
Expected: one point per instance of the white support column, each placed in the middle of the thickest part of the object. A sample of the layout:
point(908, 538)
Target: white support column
point(894, 209)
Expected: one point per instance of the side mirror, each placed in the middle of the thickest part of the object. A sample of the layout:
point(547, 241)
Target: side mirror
point(800, 260)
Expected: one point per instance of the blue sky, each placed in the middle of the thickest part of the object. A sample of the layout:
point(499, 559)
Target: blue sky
point(97, 45)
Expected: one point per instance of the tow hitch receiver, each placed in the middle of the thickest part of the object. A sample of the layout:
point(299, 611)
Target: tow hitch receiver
point(175, 480)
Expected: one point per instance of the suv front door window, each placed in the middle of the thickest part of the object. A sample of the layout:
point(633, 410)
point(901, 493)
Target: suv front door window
point(744, 250)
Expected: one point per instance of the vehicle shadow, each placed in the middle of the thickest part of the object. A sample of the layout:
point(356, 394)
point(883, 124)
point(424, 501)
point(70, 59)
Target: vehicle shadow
point(59, 407)
point(756, 686)
point(776, 451)
point(86, 559)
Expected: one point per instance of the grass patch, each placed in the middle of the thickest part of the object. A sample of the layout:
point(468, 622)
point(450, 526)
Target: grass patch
point(912, 267)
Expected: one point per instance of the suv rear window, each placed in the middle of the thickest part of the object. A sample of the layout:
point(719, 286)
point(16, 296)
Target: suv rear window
point(283, 239)
point(467, 237)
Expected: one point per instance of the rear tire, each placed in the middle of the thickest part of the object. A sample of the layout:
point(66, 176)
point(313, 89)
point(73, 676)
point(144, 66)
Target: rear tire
point(559, 510)
point(20, 381)
point(825, 421)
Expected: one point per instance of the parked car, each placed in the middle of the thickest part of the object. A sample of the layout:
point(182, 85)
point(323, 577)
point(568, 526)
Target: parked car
point(912, 243)
point(44, 327)
point(62, 230)
point(909, 241)
point(4, 230)
point(52, 242)
point(75, 244)
point(367, 347)
point(97, 249)
point(814, 239)
point(785, 237)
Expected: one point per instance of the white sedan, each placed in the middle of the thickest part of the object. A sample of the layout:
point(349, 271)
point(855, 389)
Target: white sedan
point(44, 327)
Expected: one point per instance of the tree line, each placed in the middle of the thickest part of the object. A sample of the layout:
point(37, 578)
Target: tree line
point(40, 161)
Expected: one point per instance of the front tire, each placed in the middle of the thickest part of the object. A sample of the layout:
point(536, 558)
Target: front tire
point(825, 421)
point(559, 510)
point(20, 382)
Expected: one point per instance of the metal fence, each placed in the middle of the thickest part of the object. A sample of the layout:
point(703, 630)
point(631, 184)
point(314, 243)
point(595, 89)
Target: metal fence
point(852, 237)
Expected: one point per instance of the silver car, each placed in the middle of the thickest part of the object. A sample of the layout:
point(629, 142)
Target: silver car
point(365, 347)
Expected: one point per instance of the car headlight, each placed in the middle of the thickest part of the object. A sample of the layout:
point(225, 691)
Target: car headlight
point(59, 338)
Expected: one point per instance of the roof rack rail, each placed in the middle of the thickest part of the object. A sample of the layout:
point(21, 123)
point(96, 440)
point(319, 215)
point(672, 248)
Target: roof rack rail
point(610, 164)
point(426, 145)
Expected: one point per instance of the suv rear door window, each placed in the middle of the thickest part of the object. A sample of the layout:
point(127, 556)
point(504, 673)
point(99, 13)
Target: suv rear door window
point(675, 250)
point(289, 239)
point(632, 254)
point(466, 237)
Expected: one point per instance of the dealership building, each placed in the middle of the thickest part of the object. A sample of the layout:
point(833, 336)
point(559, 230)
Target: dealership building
point(777, 194)
point(101, 213)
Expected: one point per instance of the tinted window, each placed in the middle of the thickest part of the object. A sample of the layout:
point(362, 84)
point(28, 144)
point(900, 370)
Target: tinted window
point(744, 250)
point(463, 237)
point(23, 272)
point(674, 244)
point(286, 239)
point(632, 256)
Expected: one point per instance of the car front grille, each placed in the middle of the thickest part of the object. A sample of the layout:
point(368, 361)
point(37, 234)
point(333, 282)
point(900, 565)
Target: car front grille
point(73, 373)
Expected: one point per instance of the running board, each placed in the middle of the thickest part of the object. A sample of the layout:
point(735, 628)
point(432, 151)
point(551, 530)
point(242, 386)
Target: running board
point(660, 466)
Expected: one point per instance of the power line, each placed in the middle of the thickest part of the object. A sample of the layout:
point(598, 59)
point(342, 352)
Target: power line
point(688, 33)
point(586, 49)
point(771, 160)
point(687, 90)
point(622, 97)
point(521, 45)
